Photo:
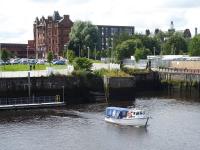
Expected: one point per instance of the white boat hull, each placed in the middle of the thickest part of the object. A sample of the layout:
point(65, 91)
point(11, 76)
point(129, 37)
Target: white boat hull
point(128, 121)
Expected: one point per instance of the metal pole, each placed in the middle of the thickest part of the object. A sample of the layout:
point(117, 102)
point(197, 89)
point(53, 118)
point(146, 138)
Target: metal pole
point(29, 85)
point(88, 52)
point(27, 52)
point(63, 93)
point(67, 54)
point(95, 52)
point(0, 51)
point(79, 51)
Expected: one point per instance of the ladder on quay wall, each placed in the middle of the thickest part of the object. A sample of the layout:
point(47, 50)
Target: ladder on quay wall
point(31, 102)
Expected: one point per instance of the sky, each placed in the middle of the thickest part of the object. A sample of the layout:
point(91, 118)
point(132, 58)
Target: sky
point(17, 16)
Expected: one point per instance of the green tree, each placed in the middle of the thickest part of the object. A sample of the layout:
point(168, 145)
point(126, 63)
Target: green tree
point(194, 46)
point(82, 64)
point(50, 57)
point(119, 38)
point(70, 55)
point(176, 44)
point(83, 35)
point(5, 55)
point(127, 48)
point(141, 53)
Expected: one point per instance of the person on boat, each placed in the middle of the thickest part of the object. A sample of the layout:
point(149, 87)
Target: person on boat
point(129, 115)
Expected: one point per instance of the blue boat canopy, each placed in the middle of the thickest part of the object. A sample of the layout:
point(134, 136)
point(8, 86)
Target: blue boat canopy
point(116, 112)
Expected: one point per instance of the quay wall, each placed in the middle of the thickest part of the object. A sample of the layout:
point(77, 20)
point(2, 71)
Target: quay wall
point(76, 89)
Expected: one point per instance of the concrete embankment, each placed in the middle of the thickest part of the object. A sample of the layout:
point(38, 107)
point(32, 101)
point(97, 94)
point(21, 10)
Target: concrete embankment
point(78, 89)
point(184, 82)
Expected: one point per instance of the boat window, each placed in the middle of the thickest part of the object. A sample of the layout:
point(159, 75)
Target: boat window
point(141, 113)
point(113, 113)
point(137, 113)
point(124, 113)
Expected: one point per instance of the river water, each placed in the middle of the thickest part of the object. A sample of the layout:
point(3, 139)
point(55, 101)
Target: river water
point(175, 125)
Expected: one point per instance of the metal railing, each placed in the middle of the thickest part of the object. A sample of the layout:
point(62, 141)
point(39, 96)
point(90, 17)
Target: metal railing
point(30, 100)
point(179, 70)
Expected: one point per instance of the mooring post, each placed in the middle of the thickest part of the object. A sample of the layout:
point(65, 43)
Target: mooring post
point(29, 85)
point(106, 87)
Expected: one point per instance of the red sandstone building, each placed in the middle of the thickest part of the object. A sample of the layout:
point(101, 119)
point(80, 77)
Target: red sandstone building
point(20, 50)
point(51, 34)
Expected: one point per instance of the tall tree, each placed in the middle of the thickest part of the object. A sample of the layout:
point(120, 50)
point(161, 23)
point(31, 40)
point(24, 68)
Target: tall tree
point(4, 55)
point(127, 48)
point(175, 45)
point(141, 53)
point(50, 57)
point(194, 46)
point(83, 35)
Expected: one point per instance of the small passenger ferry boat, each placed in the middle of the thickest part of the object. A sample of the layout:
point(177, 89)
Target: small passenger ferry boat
point(126, 116)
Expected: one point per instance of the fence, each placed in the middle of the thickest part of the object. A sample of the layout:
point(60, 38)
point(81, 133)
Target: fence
point(30, 100)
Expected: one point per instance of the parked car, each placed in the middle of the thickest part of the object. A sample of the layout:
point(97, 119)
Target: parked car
point(59, 62)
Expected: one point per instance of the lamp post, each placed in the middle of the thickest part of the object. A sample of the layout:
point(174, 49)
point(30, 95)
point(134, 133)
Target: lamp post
point(66, 49)
point(63, 87)
point(27, 49)
point(79, 51)
point(88, 52)
point(95, 55)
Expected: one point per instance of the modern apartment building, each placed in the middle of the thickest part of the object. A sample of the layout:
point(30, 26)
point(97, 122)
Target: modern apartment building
point(107, 33)
point(51, 34)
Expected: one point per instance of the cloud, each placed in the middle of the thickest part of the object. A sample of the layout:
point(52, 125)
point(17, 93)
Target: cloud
point(181, 3)
point(18, 19)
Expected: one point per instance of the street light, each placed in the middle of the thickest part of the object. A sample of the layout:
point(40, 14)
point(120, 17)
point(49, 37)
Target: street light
point(88, 52)
point(27, 49)
point(95, 52)
point(66, 49)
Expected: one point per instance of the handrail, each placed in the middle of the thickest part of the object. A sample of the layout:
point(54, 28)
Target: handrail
point(29, 100)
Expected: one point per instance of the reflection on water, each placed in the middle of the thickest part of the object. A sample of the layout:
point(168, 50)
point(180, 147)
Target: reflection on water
point(174, 125)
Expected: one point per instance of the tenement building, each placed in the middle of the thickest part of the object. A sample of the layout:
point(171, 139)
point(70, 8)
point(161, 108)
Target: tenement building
point(51, 34)
point(107, 33)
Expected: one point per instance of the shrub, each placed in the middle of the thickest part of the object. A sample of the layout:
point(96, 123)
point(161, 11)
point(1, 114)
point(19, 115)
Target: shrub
point(82, 64)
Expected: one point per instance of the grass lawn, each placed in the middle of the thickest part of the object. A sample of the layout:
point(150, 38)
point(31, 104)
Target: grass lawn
point(21, 67)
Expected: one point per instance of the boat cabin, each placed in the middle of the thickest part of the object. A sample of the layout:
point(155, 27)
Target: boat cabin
point(119, 113)
point(116, 112)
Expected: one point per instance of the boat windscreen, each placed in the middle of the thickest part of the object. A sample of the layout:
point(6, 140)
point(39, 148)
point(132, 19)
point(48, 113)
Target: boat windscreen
point(116, 113)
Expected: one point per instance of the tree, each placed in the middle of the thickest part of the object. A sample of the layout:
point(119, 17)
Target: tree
point(127, 48)
point(50, 57)
point(83, 35)
point(151, 43)
point(4, 55)
point(194, 46)
point(119, 38)
point(70, 55)
point(141, 53)
point(175, 45)
point(82, 64)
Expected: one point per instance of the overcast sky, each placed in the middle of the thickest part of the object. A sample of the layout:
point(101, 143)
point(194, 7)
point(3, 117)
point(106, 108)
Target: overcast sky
point(17, 16)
